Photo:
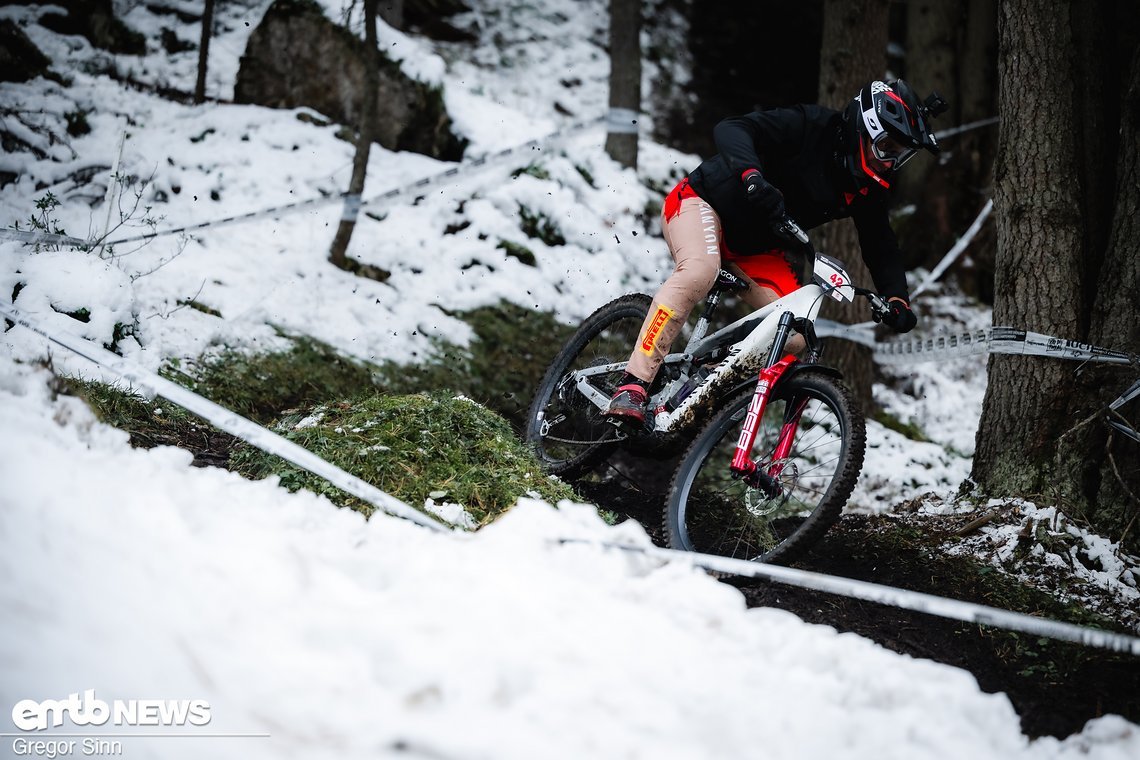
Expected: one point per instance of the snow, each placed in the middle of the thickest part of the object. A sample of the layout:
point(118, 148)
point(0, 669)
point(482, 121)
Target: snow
point(134, 574)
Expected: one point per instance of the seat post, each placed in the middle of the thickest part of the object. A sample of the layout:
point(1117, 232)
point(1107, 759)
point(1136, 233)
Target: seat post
point(712, 300)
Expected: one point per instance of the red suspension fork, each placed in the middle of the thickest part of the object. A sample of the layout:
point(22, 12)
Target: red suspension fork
point(787, 437)
point(742, 463)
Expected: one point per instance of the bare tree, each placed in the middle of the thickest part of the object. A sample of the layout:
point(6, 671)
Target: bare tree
point(338, 251)
point(852, 53)
point(932, 38)
point(1068, 258)
point(204, 50)
point(625, 81)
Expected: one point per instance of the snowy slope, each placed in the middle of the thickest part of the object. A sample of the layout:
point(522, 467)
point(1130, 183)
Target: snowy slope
point(130, 573)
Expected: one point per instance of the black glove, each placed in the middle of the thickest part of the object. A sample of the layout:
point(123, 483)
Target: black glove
point(766, 199)
point(899, 317)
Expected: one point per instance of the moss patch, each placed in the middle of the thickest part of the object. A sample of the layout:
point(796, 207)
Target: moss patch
point(414, 447)
point(264, 386)
point(153, 423)
point(500, 368)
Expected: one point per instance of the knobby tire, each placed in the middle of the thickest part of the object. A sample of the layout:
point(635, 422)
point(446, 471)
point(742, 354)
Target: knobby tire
point(579, 439)
point(710, 511)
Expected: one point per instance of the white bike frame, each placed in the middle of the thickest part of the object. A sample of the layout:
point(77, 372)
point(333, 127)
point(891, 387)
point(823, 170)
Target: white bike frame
point(745, 356)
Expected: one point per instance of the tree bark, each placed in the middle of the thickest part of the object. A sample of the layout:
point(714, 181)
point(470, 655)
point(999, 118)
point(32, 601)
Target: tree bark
point(625, 81)
point(338, 252)
point(1106, 467)
point(854, 51)
point(932, 28)
point(204, 50)
point(1037, 284)
point(1059, 271)
point(971, 170)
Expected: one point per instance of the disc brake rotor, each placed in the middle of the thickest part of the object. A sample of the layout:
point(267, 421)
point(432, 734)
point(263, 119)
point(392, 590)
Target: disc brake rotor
point(760, 504)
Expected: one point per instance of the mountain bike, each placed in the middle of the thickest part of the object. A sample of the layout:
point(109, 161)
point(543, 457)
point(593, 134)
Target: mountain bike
point(774, 443)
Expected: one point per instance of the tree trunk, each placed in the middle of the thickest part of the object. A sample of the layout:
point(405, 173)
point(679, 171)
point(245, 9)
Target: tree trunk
point(971, 169)
point(1037, 284)
point(1106, 468)
point(1067, 260)
point(932, 28)
point(625, 81)
point(204, 50)
point(338, 252)
point(854, 51)
point(392, 12)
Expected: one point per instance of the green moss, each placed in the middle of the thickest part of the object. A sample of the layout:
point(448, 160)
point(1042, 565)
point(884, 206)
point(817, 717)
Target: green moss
point(500, 368)
point(538, 225)
point(533, 170)
point(152, 423)
point(909, 429)
point(520, 252)
point(264, 386)
point(586, 175)
point(412, 447)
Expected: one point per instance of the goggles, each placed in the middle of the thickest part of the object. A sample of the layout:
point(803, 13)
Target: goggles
point(890, 151)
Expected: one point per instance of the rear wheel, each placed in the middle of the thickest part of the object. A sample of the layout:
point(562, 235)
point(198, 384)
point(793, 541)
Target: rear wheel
point(564, 427)
point(712, 511)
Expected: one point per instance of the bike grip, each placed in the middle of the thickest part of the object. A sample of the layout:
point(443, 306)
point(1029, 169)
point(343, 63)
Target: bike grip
point(879, 306)
point(789, 225)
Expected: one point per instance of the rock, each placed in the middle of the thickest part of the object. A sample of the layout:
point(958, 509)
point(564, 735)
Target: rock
point(20, 59)
point(95, 20)
point(299, 58)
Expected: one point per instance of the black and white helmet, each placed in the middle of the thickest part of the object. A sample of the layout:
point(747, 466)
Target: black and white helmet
point(886, 125)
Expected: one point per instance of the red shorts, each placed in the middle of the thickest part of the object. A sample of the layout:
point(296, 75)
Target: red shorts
point(768, 269)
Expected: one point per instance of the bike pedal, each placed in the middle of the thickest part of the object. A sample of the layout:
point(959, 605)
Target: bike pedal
point(628, 427)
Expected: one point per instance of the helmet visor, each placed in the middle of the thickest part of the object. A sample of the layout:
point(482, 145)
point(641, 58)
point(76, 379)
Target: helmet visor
point(890, 151)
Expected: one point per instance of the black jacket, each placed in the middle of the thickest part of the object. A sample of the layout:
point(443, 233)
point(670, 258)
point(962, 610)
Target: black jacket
point(798, 150)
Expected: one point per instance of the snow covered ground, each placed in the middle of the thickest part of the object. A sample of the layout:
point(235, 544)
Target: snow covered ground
point(131, 574)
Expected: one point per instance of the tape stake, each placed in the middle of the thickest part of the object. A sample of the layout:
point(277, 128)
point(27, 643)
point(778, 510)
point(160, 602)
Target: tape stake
point(956, 250)
point(1127, 396)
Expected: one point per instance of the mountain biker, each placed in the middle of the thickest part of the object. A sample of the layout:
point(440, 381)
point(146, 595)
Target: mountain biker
point(807, 162)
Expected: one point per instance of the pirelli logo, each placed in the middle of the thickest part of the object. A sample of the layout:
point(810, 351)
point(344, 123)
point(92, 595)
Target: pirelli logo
point(660, 319)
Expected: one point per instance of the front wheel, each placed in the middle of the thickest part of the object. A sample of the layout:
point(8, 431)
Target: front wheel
point(713, 512)
point(564, 427)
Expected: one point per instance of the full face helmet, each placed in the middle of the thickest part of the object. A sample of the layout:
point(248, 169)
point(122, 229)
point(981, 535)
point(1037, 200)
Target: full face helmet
point(886, 125)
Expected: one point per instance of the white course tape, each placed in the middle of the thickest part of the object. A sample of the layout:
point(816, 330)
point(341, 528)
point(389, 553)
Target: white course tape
point(272, 443)
point(416, 187)
point(621, 121)
point(956, 250)
point(525, 151)
point(890, 596)
point(232, 423)
point(996, 340)
point(966, 128)
point(991, 340)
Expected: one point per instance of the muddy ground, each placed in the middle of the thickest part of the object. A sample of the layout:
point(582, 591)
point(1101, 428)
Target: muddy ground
point(1055, 687)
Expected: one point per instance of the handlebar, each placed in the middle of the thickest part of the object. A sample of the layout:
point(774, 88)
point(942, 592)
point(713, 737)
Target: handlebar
point(790, 229)
point(879, 305)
